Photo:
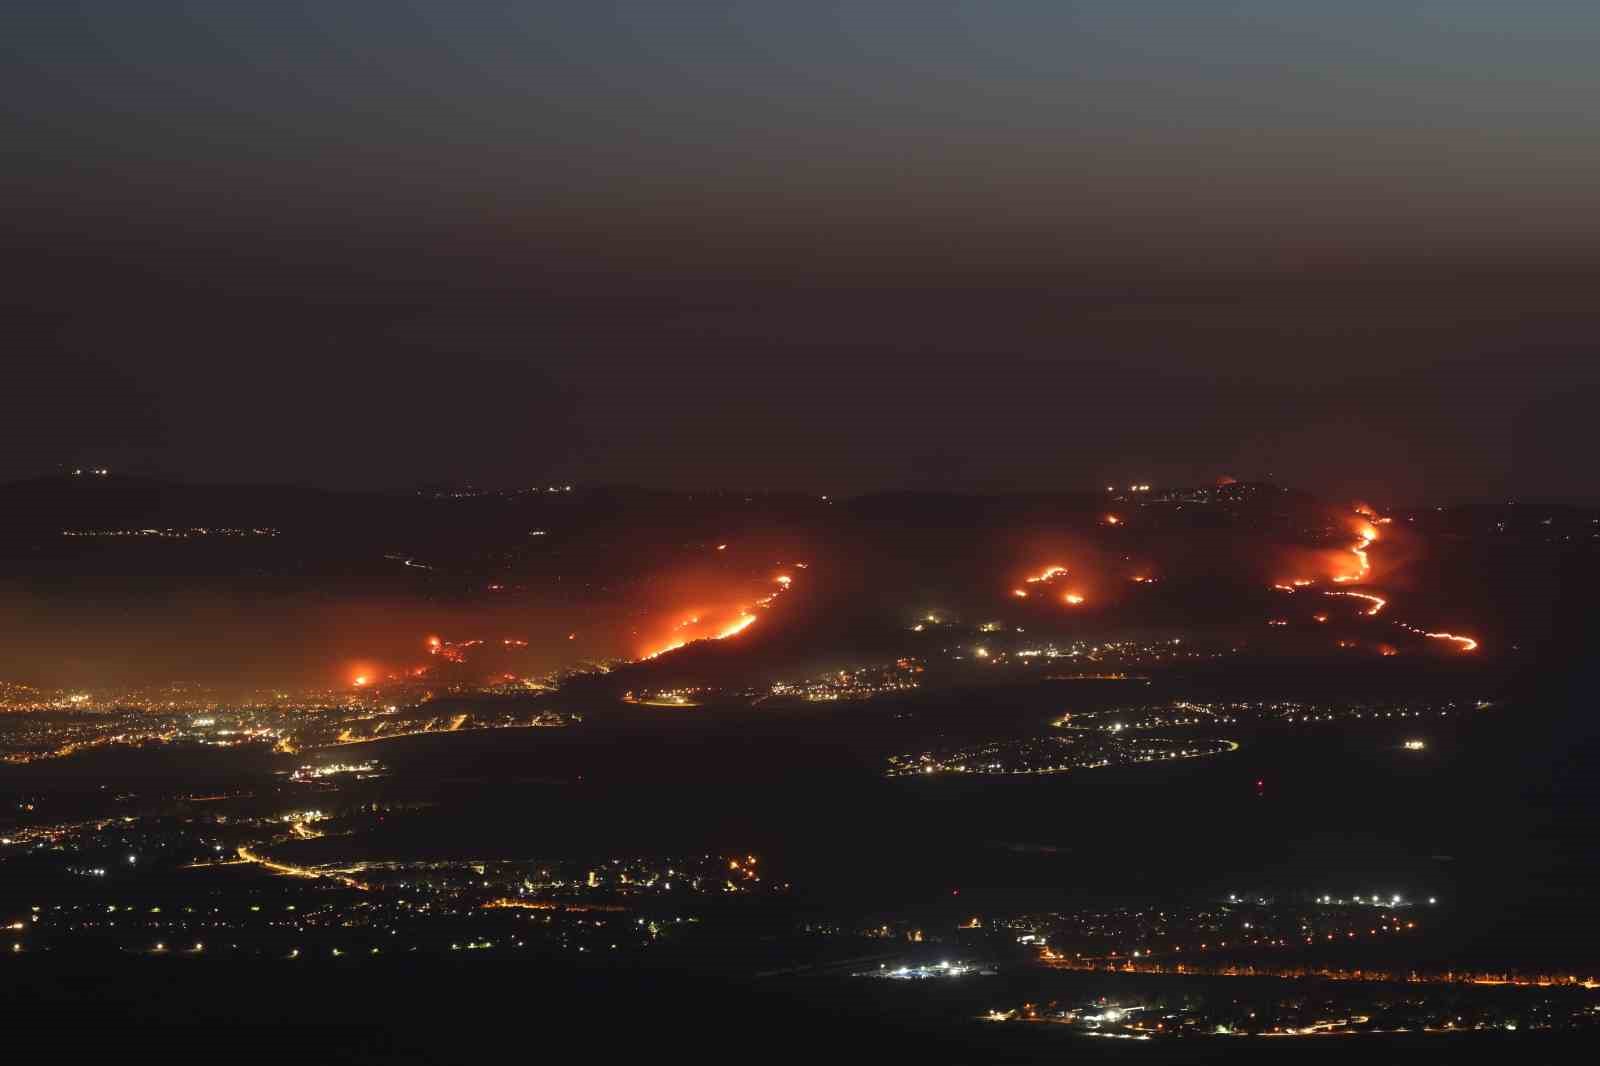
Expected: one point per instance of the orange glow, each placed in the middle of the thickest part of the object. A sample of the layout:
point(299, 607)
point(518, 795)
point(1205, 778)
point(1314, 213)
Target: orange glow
point(739, 626)
point(693, 627)
point(1020, 594)
point(722, 547)
point(1466, 643)
point(1049, 573)
point(1378, 602)
point(361, 679)
point(1072, 598)
point(1366, 534)
point(1113, 520)
point(1319, 617)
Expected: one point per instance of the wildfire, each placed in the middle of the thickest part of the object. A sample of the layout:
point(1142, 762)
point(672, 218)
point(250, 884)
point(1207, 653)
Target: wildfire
point(1378, 602)
point(1072, 599)
point(1466, 643)
point(744, 617)
point(1368, 533)
point(736, 627)
point(1050, 573)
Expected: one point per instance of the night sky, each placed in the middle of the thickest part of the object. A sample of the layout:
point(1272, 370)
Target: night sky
point(835, 245)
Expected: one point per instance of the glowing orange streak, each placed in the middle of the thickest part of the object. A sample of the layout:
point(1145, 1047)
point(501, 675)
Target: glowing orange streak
point(1378, 602)
point(737, 627)
point(1467, 643)
point(1050, 572)
point(1072, 599)
point(1368, 535)
point(1020, 594)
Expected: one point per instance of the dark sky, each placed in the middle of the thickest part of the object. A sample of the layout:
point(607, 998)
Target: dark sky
point(833, 245)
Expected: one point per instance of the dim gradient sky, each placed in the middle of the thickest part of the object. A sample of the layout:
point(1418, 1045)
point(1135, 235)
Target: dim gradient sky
point(834, 245)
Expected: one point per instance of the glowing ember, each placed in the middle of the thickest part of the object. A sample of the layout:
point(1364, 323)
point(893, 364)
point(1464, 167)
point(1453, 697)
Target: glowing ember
point(1072, 598)
point(1020, 594)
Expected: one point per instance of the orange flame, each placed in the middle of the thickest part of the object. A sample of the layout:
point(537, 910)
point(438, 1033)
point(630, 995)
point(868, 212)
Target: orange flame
point(1466, 643)
point(736, 627)
point(1049, 573)
point(745, 617)
point(1378, 602)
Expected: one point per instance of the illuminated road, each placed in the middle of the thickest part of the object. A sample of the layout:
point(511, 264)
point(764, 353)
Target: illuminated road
point(307, 872)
